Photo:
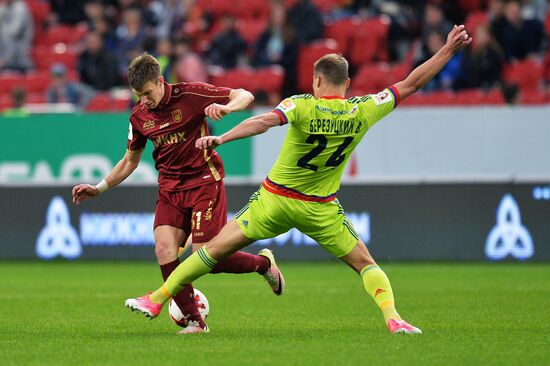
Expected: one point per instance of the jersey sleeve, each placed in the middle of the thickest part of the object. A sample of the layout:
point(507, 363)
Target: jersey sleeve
point(136, 140)
point(288, 110)
point(205, 94)
point(378, 106)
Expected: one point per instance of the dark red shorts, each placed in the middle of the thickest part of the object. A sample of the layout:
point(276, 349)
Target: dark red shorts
point(201, 210)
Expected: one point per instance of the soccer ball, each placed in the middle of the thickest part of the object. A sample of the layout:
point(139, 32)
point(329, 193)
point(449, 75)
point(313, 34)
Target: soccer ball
point(177, 316)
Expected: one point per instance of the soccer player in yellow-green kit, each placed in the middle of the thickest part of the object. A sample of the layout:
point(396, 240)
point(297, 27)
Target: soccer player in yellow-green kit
point(300, 190)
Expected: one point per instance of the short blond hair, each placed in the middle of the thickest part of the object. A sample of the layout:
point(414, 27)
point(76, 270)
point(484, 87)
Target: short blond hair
point(334, 67)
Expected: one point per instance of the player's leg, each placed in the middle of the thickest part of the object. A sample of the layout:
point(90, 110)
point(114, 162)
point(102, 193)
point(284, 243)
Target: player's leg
point(378, 286)
point(209, 217)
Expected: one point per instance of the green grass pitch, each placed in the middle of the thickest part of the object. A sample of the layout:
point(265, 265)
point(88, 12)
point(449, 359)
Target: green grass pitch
point(471, 314)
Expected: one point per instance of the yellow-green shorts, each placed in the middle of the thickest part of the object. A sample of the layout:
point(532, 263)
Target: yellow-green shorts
point(267, 215)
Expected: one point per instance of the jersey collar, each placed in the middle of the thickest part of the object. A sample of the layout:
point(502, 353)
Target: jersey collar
point(332, 97)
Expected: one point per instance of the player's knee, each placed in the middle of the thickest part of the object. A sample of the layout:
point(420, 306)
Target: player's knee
point(165, 251)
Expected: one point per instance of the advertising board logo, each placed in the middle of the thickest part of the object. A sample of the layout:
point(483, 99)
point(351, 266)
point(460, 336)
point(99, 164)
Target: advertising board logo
point(509, 236)
point(58, 237)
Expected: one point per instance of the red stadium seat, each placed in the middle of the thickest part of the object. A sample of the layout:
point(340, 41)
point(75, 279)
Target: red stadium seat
point(40, 11)
point(120, 105)
point(526, 74)
point(370, 41)
point(252, 9)
point(8, 81)
point(45, 57)
point(547, 67)
point(217, 7)
point(547, 22)
point(102, 102)
point(494, 97)
point(533, 97)
point(439, 98)
point(37, 82)
point(372, 77)
point(5, 104)
point(399, 72)
point(470, 97)
point(37, 98)
point(65, 34)
point(269, 79)
point(342, 31)
point(308, 55)
point(251, 29)
point(476, 19)
point(326, 5)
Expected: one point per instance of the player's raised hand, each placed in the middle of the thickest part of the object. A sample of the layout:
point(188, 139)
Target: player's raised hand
point(458, 38)
point(83, 192)
point(216, 111)
point(208, 142)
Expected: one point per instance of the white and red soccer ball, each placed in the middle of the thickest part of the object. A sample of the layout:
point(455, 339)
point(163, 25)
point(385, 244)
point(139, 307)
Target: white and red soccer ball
point(177, 316)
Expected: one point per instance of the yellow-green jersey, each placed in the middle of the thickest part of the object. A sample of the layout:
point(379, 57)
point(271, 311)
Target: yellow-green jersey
point(322, 134)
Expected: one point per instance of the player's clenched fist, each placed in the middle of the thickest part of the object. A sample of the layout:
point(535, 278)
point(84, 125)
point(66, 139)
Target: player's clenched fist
point(208, 142)
point(82, 192)
point(216, 111)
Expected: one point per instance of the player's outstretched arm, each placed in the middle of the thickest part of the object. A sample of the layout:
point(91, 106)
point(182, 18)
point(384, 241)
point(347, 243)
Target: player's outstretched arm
point(249, 127)
point(120, 172)
point(457, 39)
point(239, 99)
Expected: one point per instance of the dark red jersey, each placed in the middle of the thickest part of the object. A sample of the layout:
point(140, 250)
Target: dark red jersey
point(173, 127)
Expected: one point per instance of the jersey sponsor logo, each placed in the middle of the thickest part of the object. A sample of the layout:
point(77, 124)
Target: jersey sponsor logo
point(148, 125)
point(286, 105)
point(164, 125)
point(176, 115)
point(130, 132)
point(382, 97)
point(169, 139)
point(509, 236)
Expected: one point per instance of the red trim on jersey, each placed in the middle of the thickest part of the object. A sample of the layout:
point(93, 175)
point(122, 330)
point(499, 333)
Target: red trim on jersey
point(281, 115)
point(281, 190)
point(396, 95)
point(332, 97)
point(167, 93)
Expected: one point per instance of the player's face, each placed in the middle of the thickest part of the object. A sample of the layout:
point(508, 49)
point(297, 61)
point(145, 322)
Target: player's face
point(151, 94)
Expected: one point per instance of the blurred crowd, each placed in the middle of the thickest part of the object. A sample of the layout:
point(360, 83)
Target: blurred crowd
point(80, 48)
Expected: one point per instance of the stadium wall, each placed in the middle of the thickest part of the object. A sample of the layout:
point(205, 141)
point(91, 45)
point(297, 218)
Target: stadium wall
point(421, 222)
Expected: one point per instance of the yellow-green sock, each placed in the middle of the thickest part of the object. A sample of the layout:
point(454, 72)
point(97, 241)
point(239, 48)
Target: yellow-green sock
point(378, 287)
point(197, 265)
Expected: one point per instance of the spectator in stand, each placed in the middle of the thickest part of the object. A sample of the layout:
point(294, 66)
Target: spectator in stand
point(130, 37)
point(188, 65)
point(171, 14)
point(18, 109)
point(278, 45)
point(434, 21)
point(534, 9)
point(95, 11)
point(16, 34)
point(482, 63)
point(67, 11)
point(227, 46)
point(519, 38)
point(307, 20)
point(62, 90)
point(164, 56)
point(96, 66)
point(108, 35)
point(451, 72)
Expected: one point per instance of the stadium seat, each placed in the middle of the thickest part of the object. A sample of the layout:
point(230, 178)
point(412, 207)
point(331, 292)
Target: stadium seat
point(45, 57)
point(102, 102)
point(369, 42)
point(526, 74)
point(217, 7)
point(546, 66)
point(438, 98)
point(269, 79)
point(494, 97)
point(37, 82)
point(399, 72)
point(533, 97)
point(471, 5)
point(5, 104)
point(252, 9)
point(34, 98)
point(65, 34)
point(475, 19)
point(9, 80)
point(372, 77)
point(470, 97)
point(307, 57)
point(342, 31)
point(547, 22)
point(326, 5)
point(251, 29)
point(40, 11)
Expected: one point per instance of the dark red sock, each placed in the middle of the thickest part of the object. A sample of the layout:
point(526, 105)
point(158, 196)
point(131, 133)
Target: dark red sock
point(184, 299)
point(242, 262)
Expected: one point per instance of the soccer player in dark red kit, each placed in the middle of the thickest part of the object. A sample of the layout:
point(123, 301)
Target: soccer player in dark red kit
point(191, 198)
